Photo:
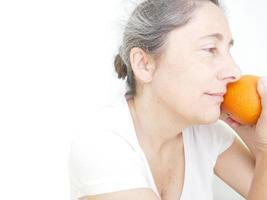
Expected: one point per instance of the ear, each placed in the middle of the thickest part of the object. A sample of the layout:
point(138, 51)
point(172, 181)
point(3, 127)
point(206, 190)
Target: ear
point(143, 65)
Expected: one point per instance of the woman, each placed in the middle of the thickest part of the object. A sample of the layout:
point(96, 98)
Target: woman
point(163, 139)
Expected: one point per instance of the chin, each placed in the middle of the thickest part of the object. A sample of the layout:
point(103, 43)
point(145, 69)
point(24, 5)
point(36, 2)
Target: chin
point(210, 117)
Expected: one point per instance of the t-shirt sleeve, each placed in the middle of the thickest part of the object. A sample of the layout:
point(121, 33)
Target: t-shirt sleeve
point(224, 136)
point(103, 163)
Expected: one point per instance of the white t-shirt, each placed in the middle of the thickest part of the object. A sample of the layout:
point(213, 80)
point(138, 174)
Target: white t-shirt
point(108, 157)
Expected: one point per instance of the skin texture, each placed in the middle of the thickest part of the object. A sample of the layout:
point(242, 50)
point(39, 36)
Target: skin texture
point(171, 96)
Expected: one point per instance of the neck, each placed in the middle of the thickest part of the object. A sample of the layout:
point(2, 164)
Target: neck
point(156, 126)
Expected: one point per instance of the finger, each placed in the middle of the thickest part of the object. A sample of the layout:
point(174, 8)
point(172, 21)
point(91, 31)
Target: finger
point(262, 90)
point(232, 122)
point(223, 116)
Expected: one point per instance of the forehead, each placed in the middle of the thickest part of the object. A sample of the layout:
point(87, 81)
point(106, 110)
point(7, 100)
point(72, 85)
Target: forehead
point(207, 19)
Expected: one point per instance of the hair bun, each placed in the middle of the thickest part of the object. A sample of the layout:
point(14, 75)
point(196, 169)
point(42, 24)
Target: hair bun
point(120, 67)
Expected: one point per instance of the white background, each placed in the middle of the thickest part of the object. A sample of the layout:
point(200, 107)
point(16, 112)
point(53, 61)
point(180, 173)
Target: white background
point(56, 69)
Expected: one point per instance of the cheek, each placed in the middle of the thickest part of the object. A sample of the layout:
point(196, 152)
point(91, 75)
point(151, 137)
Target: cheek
point(182, 86)
point(185, 86)
point(192, 99)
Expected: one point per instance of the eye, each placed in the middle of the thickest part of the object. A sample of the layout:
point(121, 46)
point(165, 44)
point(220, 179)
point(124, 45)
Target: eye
point(211, 50)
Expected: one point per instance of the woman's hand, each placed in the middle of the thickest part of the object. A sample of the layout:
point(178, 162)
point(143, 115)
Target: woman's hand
point(254, 136)
point(261, 126)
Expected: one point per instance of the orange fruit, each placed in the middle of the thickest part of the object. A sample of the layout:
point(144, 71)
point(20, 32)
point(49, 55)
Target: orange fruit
point(242, 101)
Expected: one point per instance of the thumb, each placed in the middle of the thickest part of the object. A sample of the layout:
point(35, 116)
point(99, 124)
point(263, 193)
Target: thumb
point(262, 90)
point(261, 126)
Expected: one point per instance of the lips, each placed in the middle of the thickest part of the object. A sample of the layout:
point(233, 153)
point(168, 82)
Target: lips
point(217, 94)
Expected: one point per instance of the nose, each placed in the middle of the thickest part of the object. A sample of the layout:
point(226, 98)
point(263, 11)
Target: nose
point(230, 71)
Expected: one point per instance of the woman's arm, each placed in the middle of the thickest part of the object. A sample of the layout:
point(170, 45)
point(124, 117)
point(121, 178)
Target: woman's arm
point(250, 163)
point(235, 166)
point(258, 189)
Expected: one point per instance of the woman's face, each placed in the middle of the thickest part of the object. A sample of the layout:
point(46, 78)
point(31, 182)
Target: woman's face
point(196, 61)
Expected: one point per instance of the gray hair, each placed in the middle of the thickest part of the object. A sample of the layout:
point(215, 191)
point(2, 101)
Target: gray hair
point(148, 28)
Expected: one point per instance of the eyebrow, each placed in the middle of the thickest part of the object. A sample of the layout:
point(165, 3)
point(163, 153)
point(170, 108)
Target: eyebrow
point(219, 37)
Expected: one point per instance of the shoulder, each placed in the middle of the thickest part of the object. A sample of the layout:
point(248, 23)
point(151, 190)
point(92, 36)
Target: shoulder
point(104, 157)
point(109, 134)
point(103, 161)
point(112, 116)
point(98, 144)
point(103, 138)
